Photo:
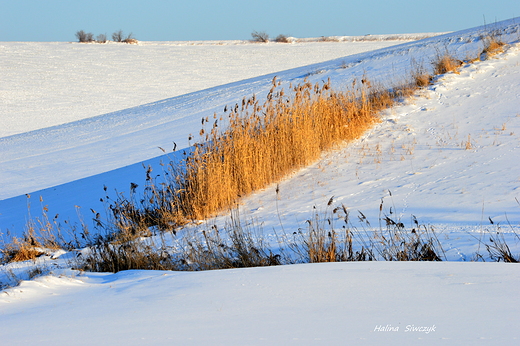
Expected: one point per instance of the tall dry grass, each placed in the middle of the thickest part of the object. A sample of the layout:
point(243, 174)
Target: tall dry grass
point(262, 143)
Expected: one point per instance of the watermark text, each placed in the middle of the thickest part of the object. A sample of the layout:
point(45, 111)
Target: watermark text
point(407, 329)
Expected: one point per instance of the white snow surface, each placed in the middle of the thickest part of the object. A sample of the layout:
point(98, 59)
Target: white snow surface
point(415, 161)
point(323, 304)
point(52, 83)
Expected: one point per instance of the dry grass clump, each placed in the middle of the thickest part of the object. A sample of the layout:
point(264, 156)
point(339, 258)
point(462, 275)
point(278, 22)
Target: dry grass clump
point(492, 45)
point(497, 247)
point(499, 250)
point(420, 77)
point(468, 144)
point(29, 247)
point(41, 235)
point(446, 63)
point(234, 246)
point(135, 254)
point(19, 250)
point(443, 63)
point(422, 80)
point(399, 244)
point(391, 242)
point(323, 242)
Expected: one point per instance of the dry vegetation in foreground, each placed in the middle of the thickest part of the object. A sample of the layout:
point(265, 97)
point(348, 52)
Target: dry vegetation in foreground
point(262, 143)
point(238, 245)
point(329, 236)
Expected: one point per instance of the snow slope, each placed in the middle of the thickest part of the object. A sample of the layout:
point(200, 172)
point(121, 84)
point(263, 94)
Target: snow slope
point(323, 304)
point(52, 83)
point(418, 152)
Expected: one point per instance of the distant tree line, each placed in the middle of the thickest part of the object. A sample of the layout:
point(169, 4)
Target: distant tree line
point(118, 36)
point(262, 36)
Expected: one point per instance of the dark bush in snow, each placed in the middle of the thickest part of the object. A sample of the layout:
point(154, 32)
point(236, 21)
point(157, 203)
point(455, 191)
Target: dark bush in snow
point(83, 36)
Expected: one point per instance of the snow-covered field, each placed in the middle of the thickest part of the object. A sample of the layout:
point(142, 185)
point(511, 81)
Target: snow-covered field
point(417, 160)
point(51, 83)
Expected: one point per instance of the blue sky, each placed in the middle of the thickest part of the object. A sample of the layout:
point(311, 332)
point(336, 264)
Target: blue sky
point(164, 20)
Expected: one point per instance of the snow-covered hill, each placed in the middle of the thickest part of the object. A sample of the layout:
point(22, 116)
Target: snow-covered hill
point(374, 303)
point(447, 156)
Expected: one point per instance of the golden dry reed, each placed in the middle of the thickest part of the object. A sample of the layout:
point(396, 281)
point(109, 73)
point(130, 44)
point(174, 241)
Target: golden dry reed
point(265, 142)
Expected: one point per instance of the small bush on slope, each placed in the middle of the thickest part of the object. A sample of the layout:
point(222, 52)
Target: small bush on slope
point(119, 36)
point(101, 38)
point(492, 45)
point(445, 63)
point(84, 37)
point(260, 36)
point(282, 39)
